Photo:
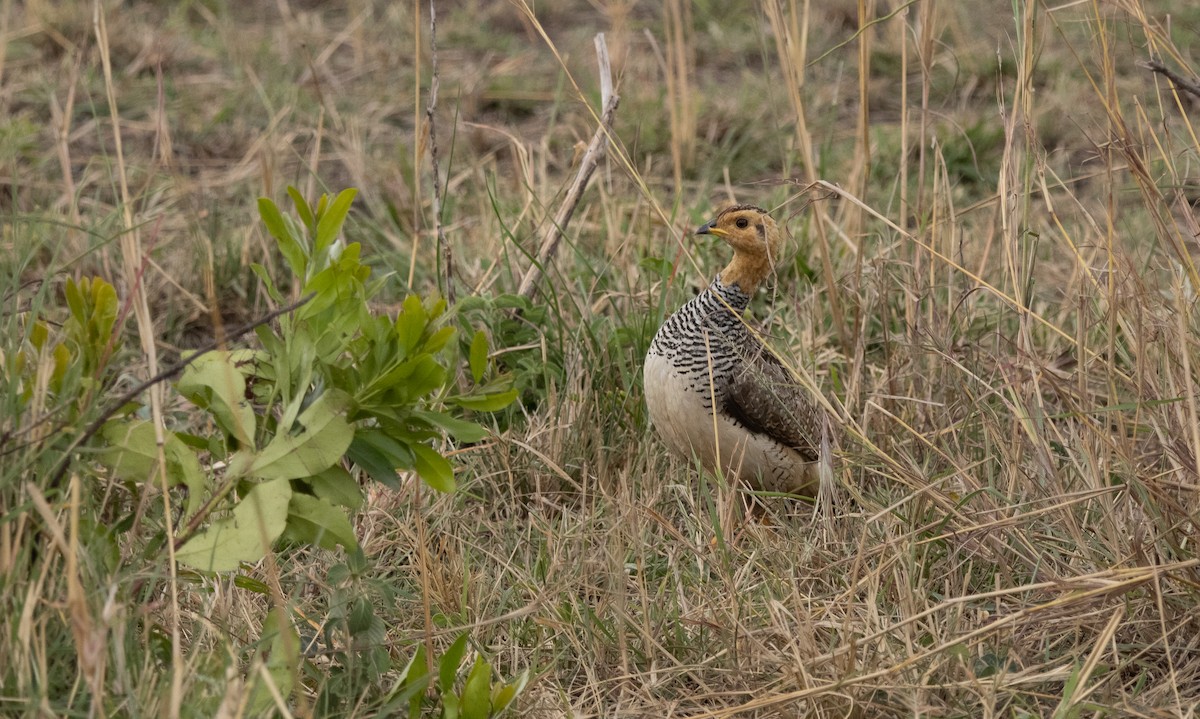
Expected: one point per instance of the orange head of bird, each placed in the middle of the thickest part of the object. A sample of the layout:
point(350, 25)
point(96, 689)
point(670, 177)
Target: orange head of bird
point(756, 242)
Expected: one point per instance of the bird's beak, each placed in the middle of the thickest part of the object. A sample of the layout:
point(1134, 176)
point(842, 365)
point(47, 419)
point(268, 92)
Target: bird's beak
point(709, 229)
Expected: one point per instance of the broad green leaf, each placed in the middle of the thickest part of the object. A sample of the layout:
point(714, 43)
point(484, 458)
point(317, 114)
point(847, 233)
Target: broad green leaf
point(213, 382)
point(283, 661)
point(246, 536)
point(397, 375)
point(132, 455)
point(332, 218)
point(104, 309)
point(272, 218)
point(398, 453)
point(411, 323)
point(437, 308)
point(459, 429)
point(335, 485)
point(433, 468)
point(509, 302)
point(477, 694)
point(438, 339)
point(410, 687)
point(265, 278)
point(449, 706)
point(292, 251)
point(323, 287)
point(448, 666)
point(485, 402)
point(62, 361)
point(362, 616)
point(427, 375)
point(312, 520)
point(403, 694)
point(502, 696)
point(302, 208)
point(479, 356)
point(320, 440)
point(75, 301)
point(372, 460)
point(39, 333)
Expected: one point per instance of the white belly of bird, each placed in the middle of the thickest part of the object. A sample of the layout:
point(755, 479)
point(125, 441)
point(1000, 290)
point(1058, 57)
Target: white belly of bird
point(686, 426)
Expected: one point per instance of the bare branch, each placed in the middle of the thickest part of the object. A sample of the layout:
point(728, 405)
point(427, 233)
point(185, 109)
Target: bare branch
point(1188, 86)
point(443, 246)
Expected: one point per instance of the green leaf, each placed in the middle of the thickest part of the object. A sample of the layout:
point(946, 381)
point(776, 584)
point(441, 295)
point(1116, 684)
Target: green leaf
point(289, 245)
point(433, 468)
point(425, 376)
point(449, 706)
point(312, 520)
point(416, 377)
point(411, 323)
point(479, 356)
point(302, 208)
point(372, 460)
point(410, 687)
point(362, 616)
point(459, 429)
point(438, 339)
point(265, 278)
point(321, 439)
point(214, 382)
point(448, 666)
point(485, 402)
point(337, 486)
point(75, 301)
point(133, 455)
point(246, 536)
point(332, 218)
point(502, 696)
point(250, 584)
point(283, 660)
point(477, 694)
point(104, 309)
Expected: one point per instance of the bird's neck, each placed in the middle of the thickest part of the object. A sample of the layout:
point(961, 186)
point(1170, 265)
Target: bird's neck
point(746, 271)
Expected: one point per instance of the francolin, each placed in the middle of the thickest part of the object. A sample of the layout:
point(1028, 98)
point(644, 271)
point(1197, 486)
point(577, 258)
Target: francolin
point(714, 389)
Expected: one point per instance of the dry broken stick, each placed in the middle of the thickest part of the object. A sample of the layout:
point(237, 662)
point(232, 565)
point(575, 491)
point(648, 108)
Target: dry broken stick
point(1189, 86)
point(444, 252)
point(587, 166)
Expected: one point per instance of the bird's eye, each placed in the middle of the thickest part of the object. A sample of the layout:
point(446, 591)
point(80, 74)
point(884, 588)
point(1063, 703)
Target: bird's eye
point(742, 223)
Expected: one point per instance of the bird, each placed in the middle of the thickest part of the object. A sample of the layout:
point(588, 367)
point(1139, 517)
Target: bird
point(713, 388)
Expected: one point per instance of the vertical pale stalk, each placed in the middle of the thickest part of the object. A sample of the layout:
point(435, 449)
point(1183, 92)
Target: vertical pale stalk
point(791, 48)
point(131, 255)
point(680, 104)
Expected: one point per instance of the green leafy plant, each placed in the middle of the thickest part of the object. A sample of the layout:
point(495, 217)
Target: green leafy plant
point(477, 696)
point(76, 356)
point(334, 380)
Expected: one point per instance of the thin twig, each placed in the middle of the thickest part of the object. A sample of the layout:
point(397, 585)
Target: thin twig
point(1189, 86)
point(162, 376)
point(587, 166)
point(443, 246)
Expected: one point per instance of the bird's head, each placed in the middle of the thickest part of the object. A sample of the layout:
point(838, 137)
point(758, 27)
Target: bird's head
point(756, 242)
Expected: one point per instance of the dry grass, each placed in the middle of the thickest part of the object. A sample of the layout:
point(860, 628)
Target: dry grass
point(994, 287)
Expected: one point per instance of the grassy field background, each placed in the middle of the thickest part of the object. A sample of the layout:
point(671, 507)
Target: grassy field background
point(991, 279)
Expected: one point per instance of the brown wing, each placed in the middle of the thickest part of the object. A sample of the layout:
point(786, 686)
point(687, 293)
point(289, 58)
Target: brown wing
point(765, 398)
